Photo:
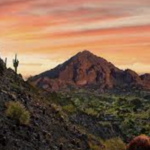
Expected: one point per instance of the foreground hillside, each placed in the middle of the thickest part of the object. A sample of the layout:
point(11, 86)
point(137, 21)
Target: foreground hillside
point(43, 126)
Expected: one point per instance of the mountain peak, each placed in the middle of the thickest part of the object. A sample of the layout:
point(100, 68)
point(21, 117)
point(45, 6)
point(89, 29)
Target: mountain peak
point(85, 53)
point(85, 70)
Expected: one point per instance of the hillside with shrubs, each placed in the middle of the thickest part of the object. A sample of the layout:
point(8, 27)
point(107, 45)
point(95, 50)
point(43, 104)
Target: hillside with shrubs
point(74, 119)
point(28, 122)
point(107, 115)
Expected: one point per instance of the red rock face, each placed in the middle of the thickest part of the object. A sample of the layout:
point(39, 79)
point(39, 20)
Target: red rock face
point(146, 77)
point(86, 70)
point(146, 80)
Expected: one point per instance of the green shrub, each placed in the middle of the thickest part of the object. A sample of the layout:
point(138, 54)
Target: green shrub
point(69, 109)
point(17, 111)
point(114, 144)
point(94, 147)
point(91, 111)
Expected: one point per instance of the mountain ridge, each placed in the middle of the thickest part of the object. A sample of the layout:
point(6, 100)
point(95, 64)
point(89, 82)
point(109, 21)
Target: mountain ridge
point(88, 70)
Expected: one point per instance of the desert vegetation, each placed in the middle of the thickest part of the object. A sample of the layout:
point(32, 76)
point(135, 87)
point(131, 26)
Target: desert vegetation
point(139, 143)
point(17, 111)
point(126, 116)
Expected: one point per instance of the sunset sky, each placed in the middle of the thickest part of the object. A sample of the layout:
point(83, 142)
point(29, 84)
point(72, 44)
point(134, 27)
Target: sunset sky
point(45, 33)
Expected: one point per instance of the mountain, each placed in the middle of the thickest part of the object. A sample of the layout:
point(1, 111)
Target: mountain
point(47, 128)
point(79, 120)
point(105, 101)
point(89, 71)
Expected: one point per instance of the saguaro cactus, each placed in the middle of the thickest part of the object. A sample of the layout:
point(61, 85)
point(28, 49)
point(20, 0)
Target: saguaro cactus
point(5, 62)
point(2, 68)
point(16, 63)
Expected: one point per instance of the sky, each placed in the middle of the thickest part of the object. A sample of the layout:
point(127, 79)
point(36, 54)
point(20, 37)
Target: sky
point(45, 33)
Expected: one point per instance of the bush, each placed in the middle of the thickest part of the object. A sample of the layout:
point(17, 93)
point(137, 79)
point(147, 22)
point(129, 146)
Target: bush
point(114, 144)
point(69, 109)
point(17, 111)
point(140, 143)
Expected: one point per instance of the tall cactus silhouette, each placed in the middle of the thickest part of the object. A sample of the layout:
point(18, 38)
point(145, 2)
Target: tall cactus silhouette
point(5, 62)
point(16, 63)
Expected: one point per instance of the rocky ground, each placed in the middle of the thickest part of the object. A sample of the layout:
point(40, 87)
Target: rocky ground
point(91, 124)
point(47, 130)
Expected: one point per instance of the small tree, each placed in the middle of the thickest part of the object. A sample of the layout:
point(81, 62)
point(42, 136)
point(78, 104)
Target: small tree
point(17, 111)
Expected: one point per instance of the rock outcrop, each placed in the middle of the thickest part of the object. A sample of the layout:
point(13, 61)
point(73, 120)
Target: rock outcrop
point(146, 80)
point(145, 77)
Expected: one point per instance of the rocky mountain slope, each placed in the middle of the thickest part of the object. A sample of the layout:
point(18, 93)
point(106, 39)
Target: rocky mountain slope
point(47, 130)
point(88, 70)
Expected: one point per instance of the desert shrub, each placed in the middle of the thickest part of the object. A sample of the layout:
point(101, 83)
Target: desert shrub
point(94, 146)
point(94, 142)
point(17, 111)
point(69, 108)
point(91, 112)
point(114, 144)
